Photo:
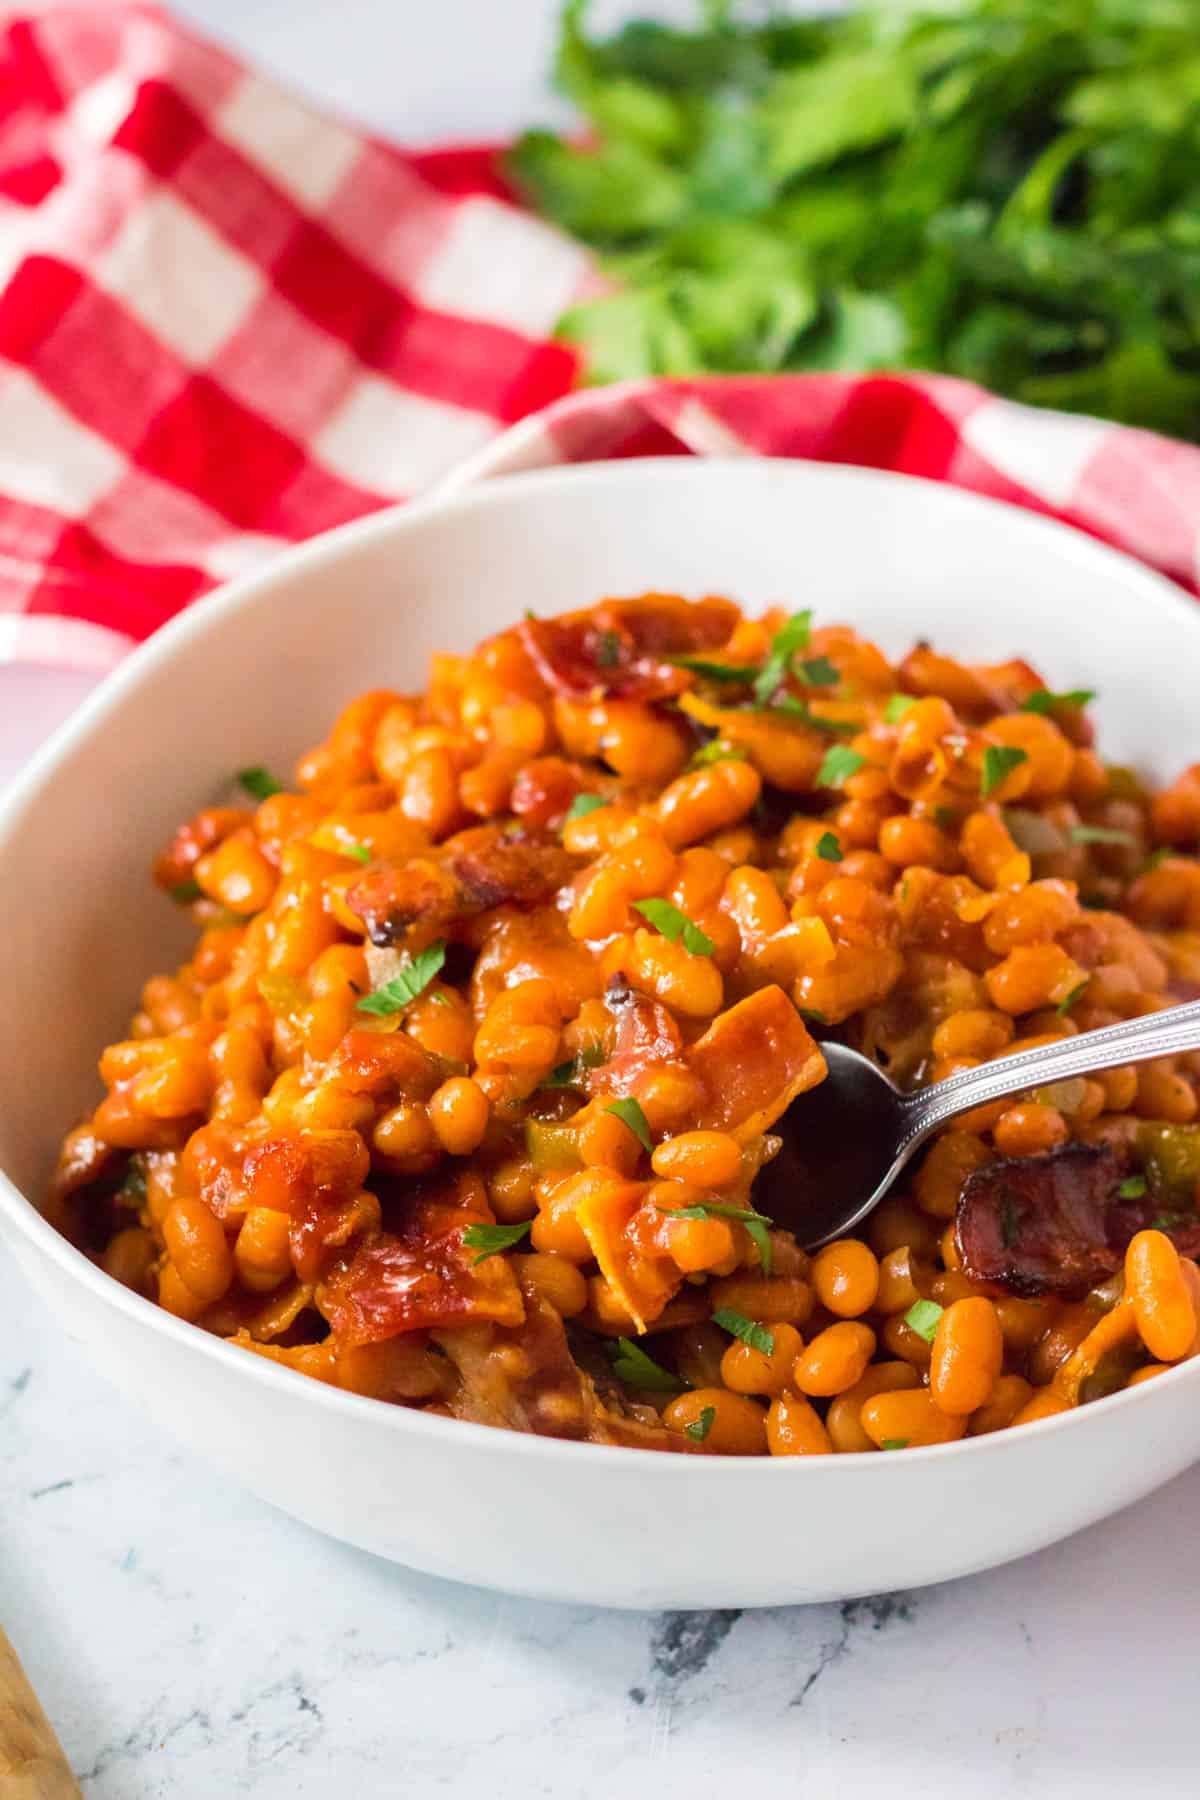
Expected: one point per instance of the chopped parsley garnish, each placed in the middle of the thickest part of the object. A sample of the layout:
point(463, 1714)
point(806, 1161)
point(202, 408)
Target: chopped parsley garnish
point(583, 804)
point(816, 671)
point(717, 750)
point(360, 852)
point(1167, 1222)
point(897, 706)
point(923, 1316)
point(1157, 857)
point(632, 1365)
point(828, 848)
point(490, 1240)
point(739, 1326)
point(1064, 1006)
point(755, 1222)
point(999, 760)
point(134, 1185)
point(632, 1116)
point(1132, 1188)
point(741, 673)
point(699, 1428)
point(184, 891)
point(788, 707)
point(811, 1014)
point(1101, 834)
point(608, 650)
point(1043, 701)
point(404, 988)
point(570, 1073)
point(789, 641)
point(839, 765)
point(259, 783)
point(893, 1444)
point(666, 917)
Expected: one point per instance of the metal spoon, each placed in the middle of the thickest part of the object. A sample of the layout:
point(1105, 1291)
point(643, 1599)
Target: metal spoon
point(846, 1140)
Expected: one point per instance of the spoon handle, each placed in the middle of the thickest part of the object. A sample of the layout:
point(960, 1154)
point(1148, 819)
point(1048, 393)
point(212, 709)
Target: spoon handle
point(1166, 1033)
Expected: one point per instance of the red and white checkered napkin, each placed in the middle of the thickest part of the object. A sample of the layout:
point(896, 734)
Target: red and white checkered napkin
point(227, 322)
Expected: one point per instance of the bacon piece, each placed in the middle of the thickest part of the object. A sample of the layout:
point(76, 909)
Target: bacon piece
point(628, 1240)
point(540, 1388)
point(384, 1064)
point(752, 1062)
point(422, 1275)
point(194, 839)
point(469, 874)
point(618, 649)
point(646, 1037)
point(1054, 1224)
point(527, 946)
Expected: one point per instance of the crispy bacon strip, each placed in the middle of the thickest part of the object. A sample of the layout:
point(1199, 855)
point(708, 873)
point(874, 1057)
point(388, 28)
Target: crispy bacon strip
point(645, 1037)
point(628, 1240)
point(422, 1276)
point(1054, 1224)
point(618, 649)
point(469, 874)
point(198, 835)
point(524, 1377)
point(753, 1061)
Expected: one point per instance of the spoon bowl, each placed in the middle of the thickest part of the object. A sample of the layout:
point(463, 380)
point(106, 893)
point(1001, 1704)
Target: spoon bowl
point(846, 1140)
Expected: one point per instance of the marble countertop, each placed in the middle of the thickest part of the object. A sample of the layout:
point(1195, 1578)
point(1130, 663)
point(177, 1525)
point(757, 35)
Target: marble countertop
point(190, 1643)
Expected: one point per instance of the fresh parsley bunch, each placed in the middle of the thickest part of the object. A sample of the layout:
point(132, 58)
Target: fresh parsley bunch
point(1008, 190)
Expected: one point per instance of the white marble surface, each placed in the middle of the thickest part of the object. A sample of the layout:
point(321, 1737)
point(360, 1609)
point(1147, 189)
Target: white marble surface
point(191, 1644)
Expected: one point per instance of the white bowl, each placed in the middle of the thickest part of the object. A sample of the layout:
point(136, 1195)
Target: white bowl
point(253, 675)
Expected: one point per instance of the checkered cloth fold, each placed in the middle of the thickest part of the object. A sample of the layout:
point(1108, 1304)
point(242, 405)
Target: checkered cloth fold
point(228, 322)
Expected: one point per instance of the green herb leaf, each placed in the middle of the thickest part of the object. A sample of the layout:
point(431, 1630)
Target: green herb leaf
point(134, 1185)
point(739, 1326)
point(608, 650)
point(632, 1116)
point(1157, 857)
point(259, 783)
point(788, 707)
point(839, 765)
point(666, 917)
point(1132, 1188)
point(699, 1428)
point(999, 760)
point(404, 988)
point(741, 674)
point(816, 671)
point(828, 848)
point(583, 804)
point(893, 1444)
point(1043, 701)
point(632, 1366)
point(569, 1074)
point(789, 641)
point(185, 891)
point(985, 188)
point(923, 1316)
point(897, 706)
point(812, 1015)
point(490, 1240)
point(360, 852)
point(717, 750)
point(1101, 834)
point(1064, 1006)
point(755, 1222)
